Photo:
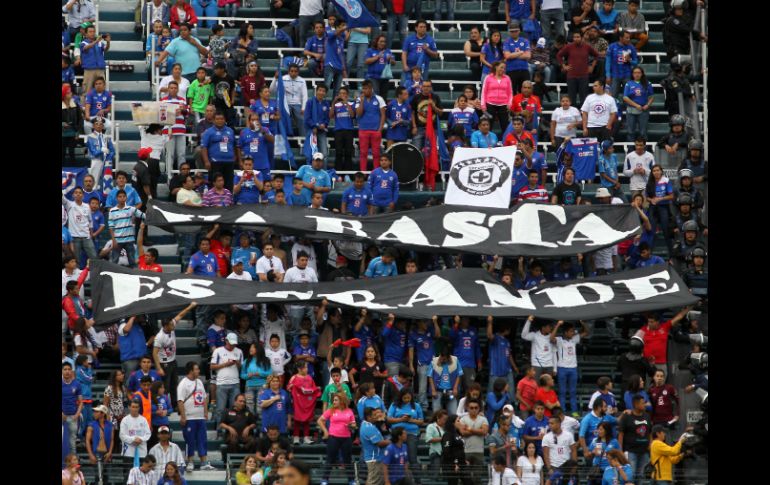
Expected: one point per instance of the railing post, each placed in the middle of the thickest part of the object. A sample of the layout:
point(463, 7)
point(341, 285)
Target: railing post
point(96, 17)
point(147, 20)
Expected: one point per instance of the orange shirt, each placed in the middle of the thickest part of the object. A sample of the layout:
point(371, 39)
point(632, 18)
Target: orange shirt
point(533, 104)
point(547, 397)
point(512, 140)
point(149, 267)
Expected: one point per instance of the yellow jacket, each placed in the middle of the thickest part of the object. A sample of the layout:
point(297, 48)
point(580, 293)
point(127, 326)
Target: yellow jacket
point(668, 456)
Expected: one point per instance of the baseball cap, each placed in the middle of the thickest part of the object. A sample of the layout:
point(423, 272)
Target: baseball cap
point(236, 263)
point(602, 192)
point(507, 409)
point(318, 156)
point(541, 42)
point(514, 25)
point(606, 144)
point(144, 153)
point(164, 429)
point(232, 338)
point(252, 63)
point(102, 409)
point(303, 333)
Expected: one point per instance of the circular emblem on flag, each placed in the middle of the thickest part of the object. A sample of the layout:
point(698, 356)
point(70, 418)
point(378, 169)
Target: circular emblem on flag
point(198, 398)
point(480, 176)
point(352, 7)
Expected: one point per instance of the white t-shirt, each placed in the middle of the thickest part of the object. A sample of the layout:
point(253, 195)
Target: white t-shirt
point(73, 277)
point(507, 477)
point(166, 345)
point(297, 275)
point(599, 109)
point(263, 265)
point(571, 425)
point(194, 406)
point(634, 160)
point(230, 374)
point(131, 428)
point(558, 447)
point(310, 7)
point(78, 341)
point(551, 4)
point(269, 328)
point(311, 260)
point(566, 117)
point(79, 217)
point(278, 359)
point(542, 350)
point(528, 476)
point(566, 352)
point(184, 84)
point(603, 257)
point(244, 276)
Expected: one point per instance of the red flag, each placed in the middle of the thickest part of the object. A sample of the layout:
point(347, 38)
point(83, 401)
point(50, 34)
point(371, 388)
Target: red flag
point(354, 342)
point(431, 162)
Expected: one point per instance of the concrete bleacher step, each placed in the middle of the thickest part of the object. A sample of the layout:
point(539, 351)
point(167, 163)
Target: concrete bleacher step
point(113, 27)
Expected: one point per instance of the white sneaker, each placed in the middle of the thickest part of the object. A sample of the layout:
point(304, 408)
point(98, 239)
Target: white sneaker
point(296, 440)
point(307, 440)
point(190, 467)
point(208, 466)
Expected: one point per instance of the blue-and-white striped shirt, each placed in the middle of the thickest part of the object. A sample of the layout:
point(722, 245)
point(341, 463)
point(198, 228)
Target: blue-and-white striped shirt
point(121, 221)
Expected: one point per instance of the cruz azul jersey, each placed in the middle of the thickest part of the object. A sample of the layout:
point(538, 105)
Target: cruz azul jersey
point(585, 154)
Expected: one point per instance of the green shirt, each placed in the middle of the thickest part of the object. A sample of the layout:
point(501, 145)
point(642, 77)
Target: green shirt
point(433, 431)
point(331, 390)
point(199, 96)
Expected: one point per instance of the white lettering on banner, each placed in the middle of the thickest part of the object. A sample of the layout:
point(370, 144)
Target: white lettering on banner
point(173, 217)
point(405, 231)
point(500, 297)
point(570, 296)
point(191, 288)
point(467, 225)
point(439, 292)
point(644, 288)
point(596, 232)
point(299, 295)
point(127, 287)
point(338, 226)
point(525, 224)
point(348, 298)
point(250, 218)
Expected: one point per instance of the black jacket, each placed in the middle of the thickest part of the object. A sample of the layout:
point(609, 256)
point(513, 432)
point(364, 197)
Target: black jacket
point(452, 451)
point(630, 364)
point(73, 117)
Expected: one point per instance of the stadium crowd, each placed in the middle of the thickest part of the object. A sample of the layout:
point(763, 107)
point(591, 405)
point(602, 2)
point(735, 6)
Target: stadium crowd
point(386, 385)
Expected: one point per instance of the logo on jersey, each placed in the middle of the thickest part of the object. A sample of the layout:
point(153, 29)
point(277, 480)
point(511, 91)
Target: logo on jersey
point(480, 176)
point(599, 109)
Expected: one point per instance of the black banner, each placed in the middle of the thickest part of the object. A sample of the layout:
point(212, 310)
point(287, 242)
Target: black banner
point(121, 292)
point(529, 229)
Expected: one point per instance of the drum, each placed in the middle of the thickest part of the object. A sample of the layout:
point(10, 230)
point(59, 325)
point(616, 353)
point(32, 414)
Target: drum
point(408, 163)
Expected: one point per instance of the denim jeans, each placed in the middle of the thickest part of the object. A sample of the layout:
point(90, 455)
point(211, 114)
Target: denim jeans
point(546, 72)
point(450, 9)
point(392, 368)
point(357, 53)
point(225, 398)
point(638, 461)
point(332, 79)
point(252, 397)
point(175, 151)
point(422, 384)
point(557, 16)
point(84, 244)
point(130, 248)
point(617, 85)
point(209, 10)
point(567, 377)
point(411, 445)
point(402, 22)
point(72, 427)
point(449, 404)
point(295, 111)
point(231, 10)
point(660, 216)
point(419, 139)
point(637, 125)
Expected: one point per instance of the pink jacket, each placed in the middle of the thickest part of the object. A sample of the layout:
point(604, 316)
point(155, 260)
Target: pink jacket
point(494, 91)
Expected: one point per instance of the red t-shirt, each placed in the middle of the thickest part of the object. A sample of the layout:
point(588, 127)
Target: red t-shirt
point(223, 257)
point(656, 342)
point(533, 104)
point(528, 389)
point(662, 399)
point(398, 6)
point(547, 397)
point(151, 267)
point(512, 140)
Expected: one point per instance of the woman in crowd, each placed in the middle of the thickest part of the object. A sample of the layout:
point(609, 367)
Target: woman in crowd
point(619, 470)
point(171, 475)
point(660, 193)
point(71, 124)
point(71, 474)
point(636, 386)
point(474, 392)
point(454, 466)
point(497, 95)
point(434, 433)
point(115, 396)
point(371, 370)
point(529, 466)
point(377, 57)
point(638, 96)
point(472, 49)
point(599, 447)
point(342, 423)
point(255, 371)
point(491, 52)
point(405, 413)
point(249, 473)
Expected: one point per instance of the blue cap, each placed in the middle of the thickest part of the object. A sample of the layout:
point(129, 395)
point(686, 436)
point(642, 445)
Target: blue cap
point(606, 144)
